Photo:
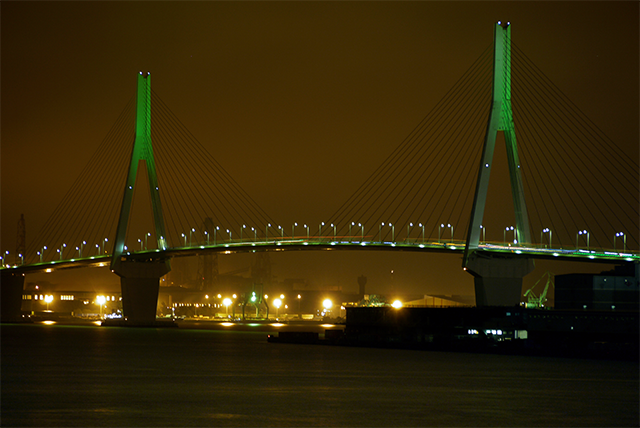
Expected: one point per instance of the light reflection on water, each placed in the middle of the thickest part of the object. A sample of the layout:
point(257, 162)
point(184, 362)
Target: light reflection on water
point(97, 376)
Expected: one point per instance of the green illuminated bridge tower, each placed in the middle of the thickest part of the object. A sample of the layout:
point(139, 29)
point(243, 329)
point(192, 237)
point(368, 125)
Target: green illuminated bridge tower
point(140, 280)
point(498, 279)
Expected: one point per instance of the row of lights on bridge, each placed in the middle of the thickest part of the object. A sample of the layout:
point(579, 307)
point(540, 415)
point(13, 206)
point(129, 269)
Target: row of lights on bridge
point(102, 247)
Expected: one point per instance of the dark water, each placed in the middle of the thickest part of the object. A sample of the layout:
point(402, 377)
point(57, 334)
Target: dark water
point(98, 376)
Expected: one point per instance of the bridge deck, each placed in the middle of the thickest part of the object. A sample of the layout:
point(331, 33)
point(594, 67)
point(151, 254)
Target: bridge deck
point(324, 244)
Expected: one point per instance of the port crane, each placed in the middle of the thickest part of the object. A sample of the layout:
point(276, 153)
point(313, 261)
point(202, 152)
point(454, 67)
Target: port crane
point(537, 302)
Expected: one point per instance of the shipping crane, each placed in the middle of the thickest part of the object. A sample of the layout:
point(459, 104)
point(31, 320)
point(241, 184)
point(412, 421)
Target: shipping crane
point(534, 302)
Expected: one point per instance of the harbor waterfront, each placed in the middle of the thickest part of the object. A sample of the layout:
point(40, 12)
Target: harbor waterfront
point(227, 374)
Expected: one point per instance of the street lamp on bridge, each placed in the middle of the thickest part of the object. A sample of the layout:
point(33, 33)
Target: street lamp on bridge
point(229, 232)
point(266, 232)
point(393, 232)
point(441, 227)
point(484, 235)
point(546, 230)
point(293, 230)
point(320, 230)
point(185, 239)
point(334, 231)
point(422, 226)
point(624, 241)
point(408, 231)
point(241, 232)
point(515, 236)
point(352, 224)
point(193, 229)
point(307, 227)
point(582, 232)
point(60, 250)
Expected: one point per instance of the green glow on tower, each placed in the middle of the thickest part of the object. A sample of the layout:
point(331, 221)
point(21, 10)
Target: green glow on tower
point(500, 119)
point(142, 152)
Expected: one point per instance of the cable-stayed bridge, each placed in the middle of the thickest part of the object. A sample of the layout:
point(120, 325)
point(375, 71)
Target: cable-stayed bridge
point(574, 193)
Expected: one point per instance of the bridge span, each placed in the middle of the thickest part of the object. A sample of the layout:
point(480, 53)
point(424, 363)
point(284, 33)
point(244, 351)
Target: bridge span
point(324, 244)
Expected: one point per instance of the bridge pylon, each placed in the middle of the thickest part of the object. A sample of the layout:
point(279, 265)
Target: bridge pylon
point(498, 280)
point(140, 279)
point(12, 289)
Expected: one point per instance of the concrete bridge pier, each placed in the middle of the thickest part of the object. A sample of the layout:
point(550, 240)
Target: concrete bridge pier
point(12, 286)
point(140, 284)
point(498, 278)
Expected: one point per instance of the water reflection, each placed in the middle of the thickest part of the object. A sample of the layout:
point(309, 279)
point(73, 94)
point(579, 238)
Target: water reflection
point(230, 374)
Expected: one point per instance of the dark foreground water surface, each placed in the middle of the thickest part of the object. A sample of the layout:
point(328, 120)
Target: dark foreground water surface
point(55, 375)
